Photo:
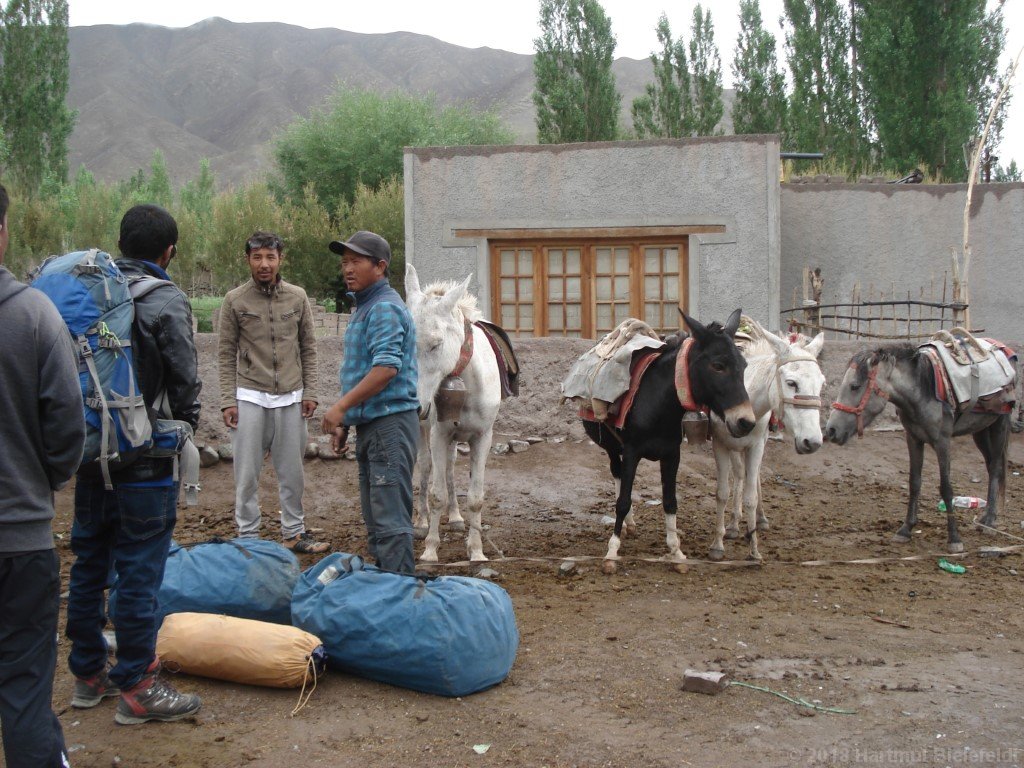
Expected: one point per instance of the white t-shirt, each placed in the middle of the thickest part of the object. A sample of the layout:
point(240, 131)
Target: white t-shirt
point(268, 400)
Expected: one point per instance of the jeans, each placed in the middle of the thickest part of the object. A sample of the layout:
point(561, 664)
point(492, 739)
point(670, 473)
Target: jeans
point(129, 529)
point(29, 601)
point(386, 451)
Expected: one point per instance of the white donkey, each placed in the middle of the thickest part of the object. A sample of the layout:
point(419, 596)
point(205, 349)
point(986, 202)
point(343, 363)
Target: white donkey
point(782, 379)
point(443, 314)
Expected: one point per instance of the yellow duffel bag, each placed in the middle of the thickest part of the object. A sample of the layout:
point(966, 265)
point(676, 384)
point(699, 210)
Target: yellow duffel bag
point(240, 650)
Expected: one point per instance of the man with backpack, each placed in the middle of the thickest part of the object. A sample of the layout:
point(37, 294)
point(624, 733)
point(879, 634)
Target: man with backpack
point(42, 432)
point(129, 525)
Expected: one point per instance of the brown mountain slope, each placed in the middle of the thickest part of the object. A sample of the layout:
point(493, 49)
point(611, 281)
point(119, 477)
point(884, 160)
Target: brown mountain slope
point(222, 90)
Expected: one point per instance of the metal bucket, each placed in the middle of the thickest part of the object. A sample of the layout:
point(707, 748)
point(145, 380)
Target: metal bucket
point(695, 427)
point(450, 398)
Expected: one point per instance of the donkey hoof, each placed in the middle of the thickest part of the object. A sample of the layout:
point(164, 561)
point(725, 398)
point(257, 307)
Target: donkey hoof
point(900, 538)
point(716, 554)
point(480, 558)
point(419, 533)
point(732, 533)
point(459, 526)
point(987, 526)
point(763, 524)
point(755, 557)
point(681, 567)
point(428, 557)
point(955, 547)
point(609, 567)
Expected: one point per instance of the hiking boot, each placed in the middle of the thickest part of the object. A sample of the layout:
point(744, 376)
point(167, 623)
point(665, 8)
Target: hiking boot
point(90, 691)
point(305, 544)
point(154, 699)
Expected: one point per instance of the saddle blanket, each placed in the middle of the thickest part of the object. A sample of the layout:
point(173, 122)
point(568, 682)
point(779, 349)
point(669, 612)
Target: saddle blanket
point(970, 370)
point(508, 364)
point(601, 375)
point(614, 415)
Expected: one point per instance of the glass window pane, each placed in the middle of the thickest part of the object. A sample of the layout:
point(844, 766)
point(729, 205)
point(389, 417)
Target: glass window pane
point(652, 287)
point(622, 261)
point(652, 260)
point(572, 261)
point(508, 262)
point(671, 289)
point(508, 289)
point(555, 285)
point(555, 317)
point(603, 288)
point(604, 261)
point(622, 288)
point(652, 315)
point(573, 316)
point(573, 289)
point(526, 262)
point(508, 316)
point(526, 317)
point(604, 318)
point(621, 313)
point(526, 289)
point(672, 260)
point(555, 262)
point(573, 334)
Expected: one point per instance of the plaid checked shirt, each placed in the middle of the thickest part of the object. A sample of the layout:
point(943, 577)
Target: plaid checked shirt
point(380, 333)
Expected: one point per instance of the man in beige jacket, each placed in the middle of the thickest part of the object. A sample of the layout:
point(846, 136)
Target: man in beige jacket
point(268, 382)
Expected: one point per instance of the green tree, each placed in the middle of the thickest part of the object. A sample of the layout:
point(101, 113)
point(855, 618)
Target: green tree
point(34, 118)
point(574, 88)
point(666, 108)
point(358, 137)
point(760, 102)
point(236, 215)
point(706, 75)
point(823, 113)
point(930, 75)
point(381, 210)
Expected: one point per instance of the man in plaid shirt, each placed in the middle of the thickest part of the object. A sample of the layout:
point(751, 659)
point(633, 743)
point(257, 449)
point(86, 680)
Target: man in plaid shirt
point(378, 386)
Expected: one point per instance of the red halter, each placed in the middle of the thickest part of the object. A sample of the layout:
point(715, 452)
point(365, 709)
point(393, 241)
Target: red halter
point(871, 387)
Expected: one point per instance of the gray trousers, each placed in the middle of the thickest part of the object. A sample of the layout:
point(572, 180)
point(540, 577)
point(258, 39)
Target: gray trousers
point(386, 450)
point(282, 431)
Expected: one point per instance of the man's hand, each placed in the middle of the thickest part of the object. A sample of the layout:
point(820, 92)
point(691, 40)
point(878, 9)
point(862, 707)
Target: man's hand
point(308, 408)
point(332, 419)
point(231, 417)
point(339, 437)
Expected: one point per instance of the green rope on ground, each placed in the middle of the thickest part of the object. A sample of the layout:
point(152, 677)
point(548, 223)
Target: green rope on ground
point(799, 702)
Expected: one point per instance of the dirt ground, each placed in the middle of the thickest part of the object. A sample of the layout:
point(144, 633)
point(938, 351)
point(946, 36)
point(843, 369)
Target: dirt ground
point(930, 662)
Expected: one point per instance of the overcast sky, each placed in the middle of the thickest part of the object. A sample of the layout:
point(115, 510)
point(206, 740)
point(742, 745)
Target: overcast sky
point(509, 26)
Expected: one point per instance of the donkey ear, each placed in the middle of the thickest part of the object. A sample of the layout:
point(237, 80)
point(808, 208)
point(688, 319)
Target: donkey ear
point(412, 284)
point(452, 298)
point(816, 345)
point(781, 346)
point(693, 324)
point(733, 323)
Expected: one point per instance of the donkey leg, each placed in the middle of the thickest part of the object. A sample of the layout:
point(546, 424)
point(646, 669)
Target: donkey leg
point(992, 442)
point(455, 521)
point(723, 461)
point(623, 504)
point(479, 448)
point(421, 518)
point(752, 468)
point(669, 470)
point(953, 542)
point(915, 450)
point(615, 460)
point(762, 518)
point(439, 450)
point(732, 531)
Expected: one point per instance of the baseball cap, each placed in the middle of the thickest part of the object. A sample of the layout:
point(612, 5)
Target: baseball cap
point(365, 244)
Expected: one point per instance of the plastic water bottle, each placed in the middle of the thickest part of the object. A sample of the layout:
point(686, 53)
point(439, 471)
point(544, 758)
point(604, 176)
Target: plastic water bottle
point(327, 575)
point(964, 502)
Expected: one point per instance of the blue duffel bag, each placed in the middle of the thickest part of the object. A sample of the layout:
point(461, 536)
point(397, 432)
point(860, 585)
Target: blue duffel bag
point(447, 635)
point(245, 578)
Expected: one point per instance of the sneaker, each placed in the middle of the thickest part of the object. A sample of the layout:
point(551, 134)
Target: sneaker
point(90, 691)
point(154, 699)
point(305, 544)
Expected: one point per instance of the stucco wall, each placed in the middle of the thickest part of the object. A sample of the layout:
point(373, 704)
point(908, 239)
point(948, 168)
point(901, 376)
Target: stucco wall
point(732, 181)
point(883, 234)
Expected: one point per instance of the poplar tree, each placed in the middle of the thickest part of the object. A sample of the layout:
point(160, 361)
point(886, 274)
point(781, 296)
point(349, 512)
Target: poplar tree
point(574, 88)
point(930, 75)
point(759, 105)
point(34, 118)
point(666, 108)
point(706, 75)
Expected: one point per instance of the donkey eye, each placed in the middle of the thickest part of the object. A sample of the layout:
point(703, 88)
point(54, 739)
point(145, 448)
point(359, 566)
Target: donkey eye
point(854, 387)
point(718, 368)
point(793, 385)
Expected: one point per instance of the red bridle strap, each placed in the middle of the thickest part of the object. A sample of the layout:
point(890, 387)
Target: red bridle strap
point(466, 352)
point(871, 387)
